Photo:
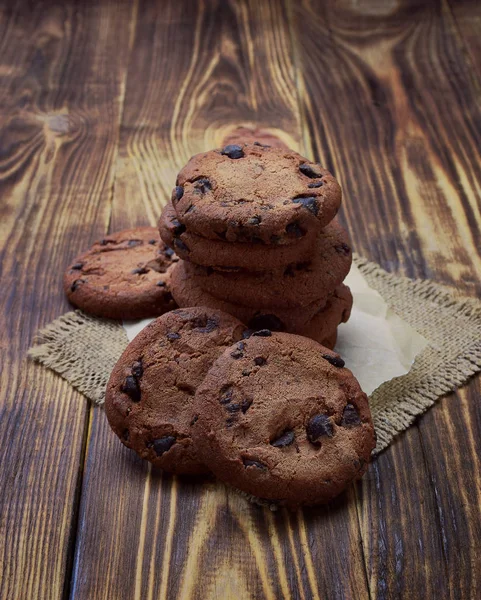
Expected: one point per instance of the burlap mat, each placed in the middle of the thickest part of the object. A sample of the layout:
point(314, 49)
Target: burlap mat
point(84, 349)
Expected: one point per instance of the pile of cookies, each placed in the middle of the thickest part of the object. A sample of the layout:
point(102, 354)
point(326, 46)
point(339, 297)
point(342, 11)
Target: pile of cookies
point(255, 227)
point(230, 383)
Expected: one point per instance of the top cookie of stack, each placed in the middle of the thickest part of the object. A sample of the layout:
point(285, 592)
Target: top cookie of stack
point(254, 224)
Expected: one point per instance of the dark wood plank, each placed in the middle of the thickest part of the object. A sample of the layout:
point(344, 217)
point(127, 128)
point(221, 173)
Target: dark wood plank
point(392, 108)
point(60, 81)
point(198, 71)
point(467, 19)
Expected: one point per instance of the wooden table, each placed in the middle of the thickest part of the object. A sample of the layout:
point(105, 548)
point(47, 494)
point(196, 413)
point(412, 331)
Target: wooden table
point(100, 104)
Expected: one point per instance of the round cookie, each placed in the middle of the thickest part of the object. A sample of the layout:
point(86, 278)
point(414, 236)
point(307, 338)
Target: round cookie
point(151, 389)
point(318, 322)
point(255, 194)
point(298, 284)
point(126, 275)
point(279, 417)
point(218, 253)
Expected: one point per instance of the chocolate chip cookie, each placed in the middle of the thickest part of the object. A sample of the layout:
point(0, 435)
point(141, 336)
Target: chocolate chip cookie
point(151, 389)
point(219, 253)
point(316, 321)
point(126, 275)
point(280, 417)
point(293, 286)
point(255, 194)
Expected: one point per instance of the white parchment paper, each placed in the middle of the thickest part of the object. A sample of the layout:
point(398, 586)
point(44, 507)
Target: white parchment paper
point(376, 344)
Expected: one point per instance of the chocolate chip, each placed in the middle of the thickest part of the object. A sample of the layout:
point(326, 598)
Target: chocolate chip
point(294, 230)
point(152, 242)
point(309, 202)
point(233, 408)
point(172, 336)
point(132, 243)
point(336, 361)
point(206, 325)
point(178, 227)
point(318, 426)
point(179, 245)
point(160, 283)
point(194, 420)
point(169, 253)
point(310, 171)
point(233, 151)
point(76, 284)
point(343, 249)
point(246, 334)
point(106, 241)
point(140, 271)
point(178, 192)
point(267, 321)
point(245, 405)
point(259, 361)
point(163, 444)
point(254, 221)
point(202, 185)
point(77, 266)
point(239, 351)
point(131, 387)
point(350, 416)
point(285, 439)
point(261, 145)
point(315, 184)
point(226, 396)
point(137, 369)
point(253, 463)
point(262, 333)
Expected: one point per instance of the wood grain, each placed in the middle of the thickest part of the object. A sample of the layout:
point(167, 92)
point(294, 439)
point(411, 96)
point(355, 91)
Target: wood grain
point(58, 131)
point(410, 174)
point(198, 540)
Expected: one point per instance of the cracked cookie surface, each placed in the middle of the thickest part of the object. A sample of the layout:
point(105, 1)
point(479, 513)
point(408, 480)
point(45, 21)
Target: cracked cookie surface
point(280, 417)
point(255, 194)
point(151, 389)
point(126, 275)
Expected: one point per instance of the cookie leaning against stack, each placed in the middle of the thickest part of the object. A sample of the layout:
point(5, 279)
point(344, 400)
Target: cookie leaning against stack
point(254, 225)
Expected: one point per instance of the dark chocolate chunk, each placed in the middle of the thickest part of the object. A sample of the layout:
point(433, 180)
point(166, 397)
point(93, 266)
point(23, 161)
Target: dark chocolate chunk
point(309, 202)
point(315, 184)
point(226, 396)
point(206, 325)
point(77, 266)
point(202, 185)
point(152, 242)
point(254, 463)
point(233, 151)
point(245, 404)
point(178, 192)
point(254, 221)
point(318, 426)
point(259, 361)
point(163, 444)
point(179, 245)
point(178, 227)
point(76, 284)
point(133, 243)
point(239, 351)
point(294, 230)
point(343, 249)
point(246, 334)
point(311, 171)
point(160, 283)
point(262, 333)
point(140, 271)
point(131, 387)
point(336, 361)
point(261, 145)
point(105, 241)
point(350, 416)
point(285, 439)
point(194, 420)
point(169, 253)
point(172, 336)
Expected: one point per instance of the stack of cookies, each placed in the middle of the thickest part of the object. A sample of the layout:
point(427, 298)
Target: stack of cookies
point(255, 226)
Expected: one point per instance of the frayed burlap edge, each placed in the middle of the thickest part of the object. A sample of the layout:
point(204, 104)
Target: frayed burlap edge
point(84, 349)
